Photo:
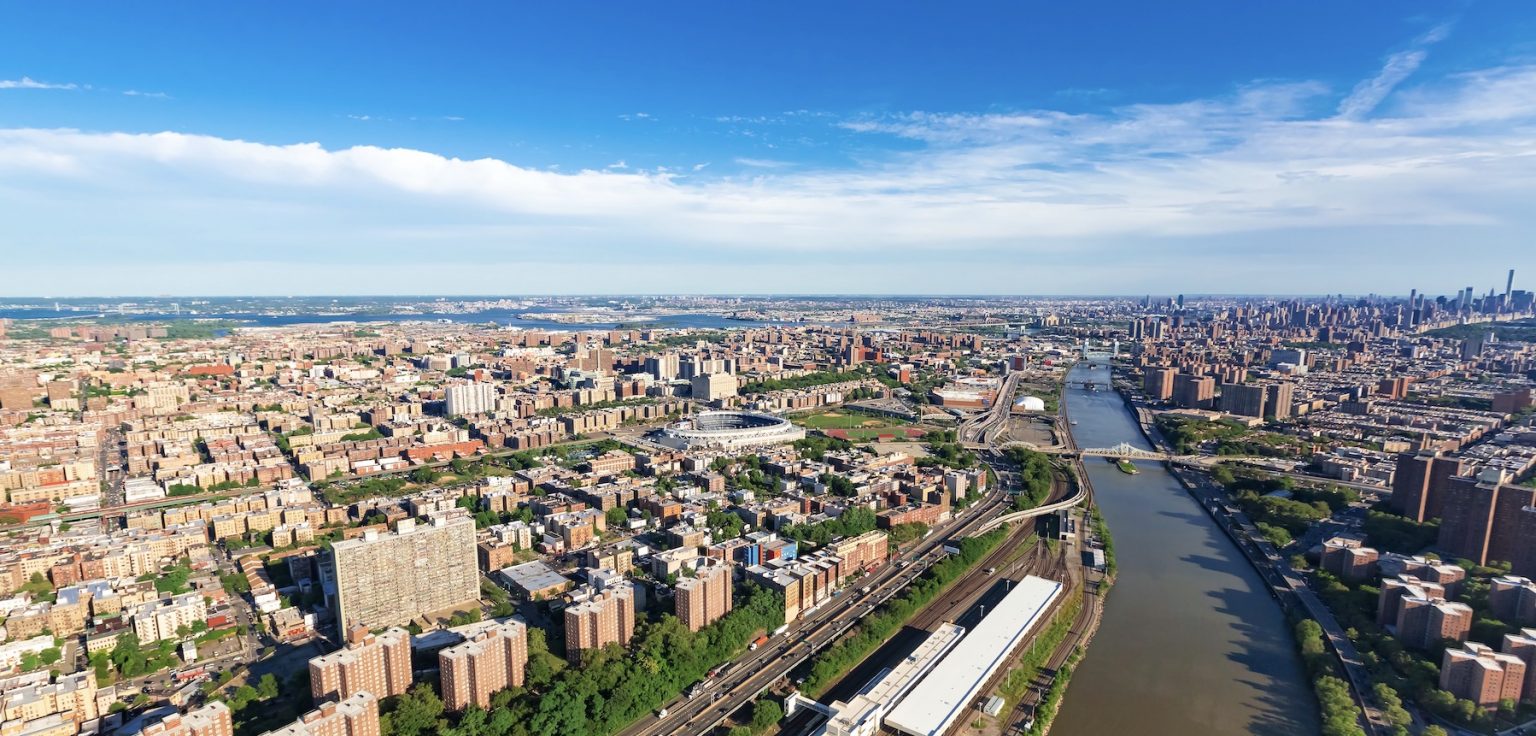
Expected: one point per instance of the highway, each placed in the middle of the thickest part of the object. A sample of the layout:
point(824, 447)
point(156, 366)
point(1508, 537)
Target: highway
point(758, 670)
point(978, 431)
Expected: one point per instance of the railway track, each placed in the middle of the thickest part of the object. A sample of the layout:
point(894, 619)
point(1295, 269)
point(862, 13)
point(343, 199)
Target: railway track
point(771, 664)
point(959, 599)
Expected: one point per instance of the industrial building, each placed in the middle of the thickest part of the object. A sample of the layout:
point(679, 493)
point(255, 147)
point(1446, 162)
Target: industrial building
point(942, 698)
point(862, 714)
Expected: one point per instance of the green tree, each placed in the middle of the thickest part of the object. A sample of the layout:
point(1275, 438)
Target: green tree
point(766, 713)
point(543, 665)
point(267, 688)
point(416, 712)
point(241, 697)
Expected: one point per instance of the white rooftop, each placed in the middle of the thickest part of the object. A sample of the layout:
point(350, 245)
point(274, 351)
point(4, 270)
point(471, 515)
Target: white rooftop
point(943, 696)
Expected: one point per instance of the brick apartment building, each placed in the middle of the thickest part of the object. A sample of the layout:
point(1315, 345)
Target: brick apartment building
point(1478, 673)
point(704, 598)
point(605, 618)
point(1419, 485)
point(493, 660)
point(378, 664)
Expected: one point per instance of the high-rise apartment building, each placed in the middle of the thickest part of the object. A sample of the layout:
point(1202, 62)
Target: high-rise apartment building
point(388, 579)
point(213, 719)
point(1394, 590)
point(1482, 518)
point(1349, 559)
point(664, 367)
point(470, 398)
point(713, 386)
point(1421, 622)
point(1479, 674)
point(604, 618)
point(1512, 599)
point(1194, 392)
point(163, 619)
point(705, 597)
point(1158, 383)
point(1419, 485)
point(357, 715)
point(1279, 400)
point(1525, 557)
point(379, 664)
point(1242, 399)
point(475, 670)
point(1523, 645)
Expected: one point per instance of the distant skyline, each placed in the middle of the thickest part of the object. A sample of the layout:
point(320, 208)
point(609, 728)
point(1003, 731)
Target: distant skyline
point(698, 148)
point(31, 300)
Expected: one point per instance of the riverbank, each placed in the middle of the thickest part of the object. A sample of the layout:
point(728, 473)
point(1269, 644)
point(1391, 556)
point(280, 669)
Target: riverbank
point(1068, 640)
point(1190, 642)
point(878, 627)
point(1289, 591)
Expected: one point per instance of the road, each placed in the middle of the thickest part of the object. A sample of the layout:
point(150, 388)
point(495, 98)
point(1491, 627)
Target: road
point(1285, 580)
point(109, 466)
point(759, 670)
point(978, 431)
point(113, 509)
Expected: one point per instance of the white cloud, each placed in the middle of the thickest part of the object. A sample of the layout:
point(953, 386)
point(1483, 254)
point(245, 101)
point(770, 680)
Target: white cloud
point(30, 83)
point(151, 95)
point(1268, 163)
point(762, 163)
point(1370, 93)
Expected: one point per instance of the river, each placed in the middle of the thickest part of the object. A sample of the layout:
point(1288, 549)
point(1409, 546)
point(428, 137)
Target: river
point(1191, 642)
point(511, 317)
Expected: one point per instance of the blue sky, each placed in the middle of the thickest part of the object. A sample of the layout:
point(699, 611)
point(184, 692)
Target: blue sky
point(1019, 148)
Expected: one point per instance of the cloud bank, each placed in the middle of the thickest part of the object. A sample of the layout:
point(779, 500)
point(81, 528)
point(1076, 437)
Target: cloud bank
point(1270, 161)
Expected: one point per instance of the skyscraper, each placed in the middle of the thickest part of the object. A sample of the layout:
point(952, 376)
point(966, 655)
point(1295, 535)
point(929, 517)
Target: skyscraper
point(389, 579)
